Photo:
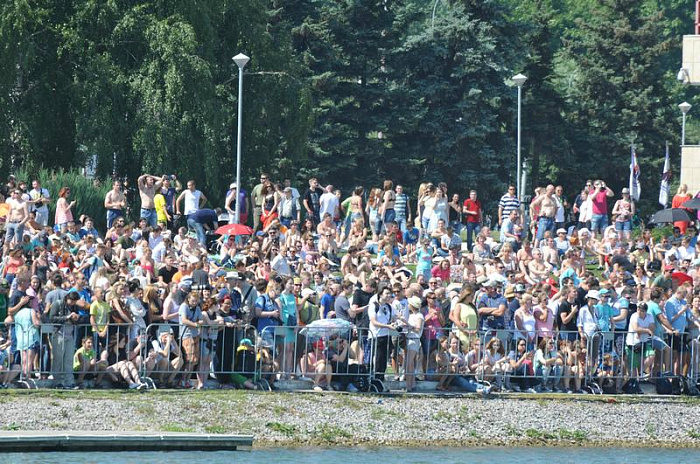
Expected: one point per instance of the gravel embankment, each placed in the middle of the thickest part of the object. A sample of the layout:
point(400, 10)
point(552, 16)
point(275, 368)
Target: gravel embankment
point(284, 419)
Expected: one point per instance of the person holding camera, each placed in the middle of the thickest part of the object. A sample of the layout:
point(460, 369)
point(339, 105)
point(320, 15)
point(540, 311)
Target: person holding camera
point(380, 316)
point(599, 201)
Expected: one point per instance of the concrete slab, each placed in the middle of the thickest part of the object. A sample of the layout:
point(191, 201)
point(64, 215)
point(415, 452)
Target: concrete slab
point(26, 441)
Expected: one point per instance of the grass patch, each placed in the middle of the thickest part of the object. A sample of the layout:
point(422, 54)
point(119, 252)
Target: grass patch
point(216, 429)
point(379, 414)
point(694, 434)
point(575, 435)
point(511, 431)
point(285, 429)
point(540, 434)
point(443, 416)
point(11, 426)
point(331, 434)
point(650, 430)
point(146, 409)
point(172, 427)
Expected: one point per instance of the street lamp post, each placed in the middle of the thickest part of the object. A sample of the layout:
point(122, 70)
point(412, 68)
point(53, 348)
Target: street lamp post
point(685, 107)
point(519, 80)
point(241, 60)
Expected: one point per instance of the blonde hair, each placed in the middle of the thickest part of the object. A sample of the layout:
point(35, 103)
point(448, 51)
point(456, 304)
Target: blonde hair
point(683, 188)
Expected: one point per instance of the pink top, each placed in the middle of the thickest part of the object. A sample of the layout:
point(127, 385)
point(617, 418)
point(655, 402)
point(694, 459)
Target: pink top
point(63, 212)
point(544, 329)
point(600, 203)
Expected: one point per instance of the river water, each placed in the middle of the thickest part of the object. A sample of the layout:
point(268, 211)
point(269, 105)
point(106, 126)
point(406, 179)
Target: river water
point(534, 455)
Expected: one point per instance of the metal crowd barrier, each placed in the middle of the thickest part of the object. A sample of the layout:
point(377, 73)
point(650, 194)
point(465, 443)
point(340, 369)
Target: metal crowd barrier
point(329, 357)
point(169, 360)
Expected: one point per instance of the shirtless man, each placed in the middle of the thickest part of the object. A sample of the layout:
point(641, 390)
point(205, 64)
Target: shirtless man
point(148, 186)
point(548, 208)
point(16, 218)
point(115, 202)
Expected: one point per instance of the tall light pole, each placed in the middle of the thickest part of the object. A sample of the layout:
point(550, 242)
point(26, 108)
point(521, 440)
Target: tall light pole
point(519, 80)
point(241, 60)
point(685, 107)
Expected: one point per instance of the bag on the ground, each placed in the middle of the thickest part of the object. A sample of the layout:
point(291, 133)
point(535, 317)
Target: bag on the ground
point(668, 386)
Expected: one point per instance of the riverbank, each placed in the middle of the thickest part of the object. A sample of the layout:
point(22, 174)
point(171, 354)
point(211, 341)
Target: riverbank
point(301, 419)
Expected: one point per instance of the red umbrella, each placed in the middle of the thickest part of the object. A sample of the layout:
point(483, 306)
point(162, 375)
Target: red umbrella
point(234, 229)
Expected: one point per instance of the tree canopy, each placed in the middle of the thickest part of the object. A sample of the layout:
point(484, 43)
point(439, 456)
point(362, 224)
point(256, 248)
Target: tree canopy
point(352, 91)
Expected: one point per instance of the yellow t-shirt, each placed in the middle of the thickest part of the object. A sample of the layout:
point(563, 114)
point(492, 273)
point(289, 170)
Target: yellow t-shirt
point(159, 202)
point(100, 310)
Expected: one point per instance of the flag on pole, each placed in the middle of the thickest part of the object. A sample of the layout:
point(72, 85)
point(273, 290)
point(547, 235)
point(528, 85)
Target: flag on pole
point(665, 180)
point(635, 187)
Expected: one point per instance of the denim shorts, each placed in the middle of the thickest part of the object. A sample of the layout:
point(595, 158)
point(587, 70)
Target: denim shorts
point(599, 222)
point(623, 226)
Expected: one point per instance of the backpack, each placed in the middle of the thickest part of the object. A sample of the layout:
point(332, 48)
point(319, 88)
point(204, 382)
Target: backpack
point(668, 386)
point(360, 377)
point(631, 387)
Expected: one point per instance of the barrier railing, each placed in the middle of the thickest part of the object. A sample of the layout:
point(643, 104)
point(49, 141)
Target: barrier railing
point(217, 350)
point(331, 357)
point(342, 357)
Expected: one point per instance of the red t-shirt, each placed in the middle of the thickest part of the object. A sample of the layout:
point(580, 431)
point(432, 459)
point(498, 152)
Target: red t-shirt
point(600, 203)
point(470, 205)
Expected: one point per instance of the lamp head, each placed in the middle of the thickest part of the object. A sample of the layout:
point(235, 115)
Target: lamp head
point(241, 60)
point(519, 79)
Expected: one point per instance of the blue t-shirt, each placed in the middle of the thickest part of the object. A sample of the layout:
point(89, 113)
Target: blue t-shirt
point(411, 236)
point(492, 322)
point(327, 304)
point(265, 303)
point(674, 306)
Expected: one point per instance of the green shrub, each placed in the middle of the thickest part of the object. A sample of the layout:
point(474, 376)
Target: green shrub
point(89, 194)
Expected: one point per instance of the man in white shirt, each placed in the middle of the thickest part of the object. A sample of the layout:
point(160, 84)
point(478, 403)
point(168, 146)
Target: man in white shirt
point(329, 203)
point(40, 198)
point(194, 200)
point(380, 314)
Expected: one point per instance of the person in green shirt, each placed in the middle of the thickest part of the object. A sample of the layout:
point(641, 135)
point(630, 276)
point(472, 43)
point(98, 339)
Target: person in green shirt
point(85, 362)
point(99, 317)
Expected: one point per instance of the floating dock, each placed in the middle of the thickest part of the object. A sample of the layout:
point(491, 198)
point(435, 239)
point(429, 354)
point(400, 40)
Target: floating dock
point(24, 441)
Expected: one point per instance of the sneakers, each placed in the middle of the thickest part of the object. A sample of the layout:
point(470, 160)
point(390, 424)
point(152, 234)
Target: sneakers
point(142, 386)
point(530, 390)
point(484, 390)
point(352, 388)
point(318, 389)
point(134, 386)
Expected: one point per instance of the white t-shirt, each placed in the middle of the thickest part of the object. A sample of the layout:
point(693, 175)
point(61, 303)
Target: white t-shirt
point(191, 201)
point(329, 204)
point(35, 194)
point(632, 337)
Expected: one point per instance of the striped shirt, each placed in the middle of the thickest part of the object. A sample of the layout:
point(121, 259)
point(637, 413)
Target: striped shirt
point(508, 203)
point(400, 205)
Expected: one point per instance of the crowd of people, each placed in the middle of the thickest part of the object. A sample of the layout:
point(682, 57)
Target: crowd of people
point(568, 295)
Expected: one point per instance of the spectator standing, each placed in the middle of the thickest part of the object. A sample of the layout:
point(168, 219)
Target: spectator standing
point(115, 203)
point(599, 201)
point(40, 198)
point(471, 213)
point(402, 209)
point(64, 211)
point(679, 198)
point(233, 196)
point(312, 201)
point(148, 185)
point(194, 199)
point(258, 199)
point(508, 203)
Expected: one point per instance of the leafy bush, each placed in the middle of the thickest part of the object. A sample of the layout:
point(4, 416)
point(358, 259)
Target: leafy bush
point(89, 194)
